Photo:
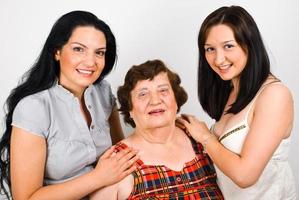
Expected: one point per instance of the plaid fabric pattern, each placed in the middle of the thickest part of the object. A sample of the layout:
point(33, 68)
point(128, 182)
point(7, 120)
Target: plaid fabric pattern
point(197, 180)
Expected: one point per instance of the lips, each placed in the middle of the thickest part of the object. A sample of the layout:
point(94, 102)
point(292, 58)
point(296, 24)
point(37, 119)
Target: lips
point(84, 71)
point(224, 67)
point(156, 111)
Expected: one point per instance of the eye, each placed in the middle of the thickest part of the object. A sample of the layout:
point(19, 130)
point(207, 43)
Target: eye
point(164, 91)
point(78, 49)
point(101, 53)
point(228, 46)
point(209, 49)
point(142, 94)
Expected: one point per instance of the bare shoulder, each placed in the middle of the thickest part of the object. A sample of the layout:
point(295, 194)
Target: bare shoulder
point(275, 93)
point(128, 140)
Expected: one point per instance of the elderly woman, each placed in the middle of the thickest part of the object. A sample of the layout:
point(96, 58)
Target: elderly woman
point(171, 165)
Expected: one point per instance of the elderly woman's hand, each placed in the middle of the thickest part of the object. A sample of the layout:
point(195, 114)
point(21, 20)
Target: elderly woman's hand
point(196, 128)
point(113, 167)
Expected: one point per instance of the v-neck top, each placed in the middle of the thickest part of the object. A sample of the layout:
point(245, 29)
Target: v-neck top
point(72, 146)
point(197, 179)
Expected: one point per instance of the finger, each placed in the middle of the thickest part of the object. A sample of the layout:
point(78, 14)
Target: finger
point(128, 163)
point(179, 124)
point(191, 119)
point(129, 170)
point(184, 122)
point(108, 153)
point(129, 156)
point(123, 153)
point(188, 118)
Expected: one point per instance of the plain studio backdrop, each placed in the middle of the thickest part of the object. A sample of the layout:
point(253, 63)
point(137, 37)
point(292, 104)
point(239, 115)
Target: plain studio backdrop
point(150, 29)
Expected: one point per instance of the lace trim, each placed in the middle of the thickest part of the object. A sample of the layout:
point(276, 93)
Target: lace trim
point(231, 132)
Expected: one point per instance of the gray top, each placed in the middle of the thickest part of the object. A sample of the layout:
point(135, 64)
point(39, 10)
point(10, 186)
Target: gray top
point(72, 146)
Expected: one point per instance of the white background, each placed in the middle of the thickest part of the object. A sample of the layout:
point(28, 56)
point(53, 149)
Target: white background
point(149, 29)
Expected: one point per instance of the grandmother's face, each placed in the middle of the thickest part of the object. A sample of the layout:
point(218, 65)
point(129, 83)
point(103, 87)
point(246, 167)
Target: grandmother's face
point(153, 103)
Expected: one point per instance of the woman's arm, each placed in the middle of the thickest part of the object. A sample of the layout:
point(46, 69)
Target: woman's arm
point(28, 157)
point(118, 191)
point(116, 131)
point(107, 193)
point(272, 121)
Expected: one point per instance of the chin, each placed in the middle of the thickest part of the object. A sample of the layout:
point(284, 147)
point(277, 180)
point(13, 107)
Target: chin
point(226, 78)
point(160, 124)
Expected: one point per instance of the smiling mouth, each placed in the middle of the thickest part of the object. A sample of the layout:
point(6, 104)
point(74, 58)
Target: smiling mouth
point(156, 111)
point(84, 72)
point(224, 67)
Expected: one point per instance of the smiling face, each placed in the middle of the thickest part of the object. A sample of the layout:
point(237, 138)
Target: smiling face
point(153, 103)
point(81, 59)
point(224, 55)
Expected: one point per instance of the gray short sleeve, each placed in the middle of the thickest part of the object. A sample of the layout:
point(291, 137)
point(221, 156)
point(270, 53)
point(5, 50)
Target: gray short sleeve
point(108, 99)
point(31, 115)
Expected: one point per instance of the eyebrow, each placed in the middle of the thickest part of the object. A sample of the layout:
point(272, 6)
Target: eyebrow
point(101, 48)
point(221, 42)
point(163, 85)
point(159, 86)
point(142, 89)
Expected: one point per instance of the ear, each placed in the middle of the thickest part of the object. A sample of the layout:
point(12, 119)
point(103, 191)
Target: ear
point(131, 114)
point(57, 55)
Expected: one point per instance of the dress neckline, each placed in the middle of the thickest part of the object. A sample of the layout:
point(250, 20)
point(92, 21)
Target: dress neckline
point(244, 122)
point(198, 154)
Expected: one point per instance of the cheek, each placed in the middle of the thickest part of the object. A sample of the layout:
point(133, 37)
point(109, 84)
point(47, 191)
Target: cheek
point(172, 104)
point(101, 62)
point(242, 62)
point(69, 61)
point(100, 65)
point(137, 111)
point(209, 58)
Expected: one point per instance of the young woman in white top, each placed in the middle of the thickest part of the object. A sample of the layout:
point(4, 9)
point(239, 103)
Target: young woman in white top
point(253, 110)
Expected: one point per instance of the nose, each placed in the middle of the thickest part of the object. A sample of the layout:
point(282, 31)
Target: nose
point(220, 57)
point(89, 59)
point(155, 99)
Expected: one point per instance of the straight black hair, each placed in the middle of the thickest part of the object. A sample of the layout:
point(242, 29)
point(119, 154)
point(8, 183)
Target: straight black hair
point(43, 75)
point(213, 92)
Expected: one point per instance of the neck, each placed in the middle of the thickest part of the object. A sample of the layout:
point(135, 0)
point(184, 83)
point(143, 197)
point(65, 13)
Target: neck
point(161, 135)
point(236, 85)
point(76, 91)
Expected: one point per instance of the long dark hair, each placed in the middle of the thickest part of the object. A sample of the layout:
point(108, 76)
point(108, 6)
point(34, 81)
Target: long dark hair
point(43, 75)
point(213, 92)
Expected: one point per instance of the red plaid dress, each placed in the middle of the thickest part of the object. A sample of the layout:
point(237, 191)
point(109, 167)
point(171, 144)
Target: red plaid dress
point(197, 180)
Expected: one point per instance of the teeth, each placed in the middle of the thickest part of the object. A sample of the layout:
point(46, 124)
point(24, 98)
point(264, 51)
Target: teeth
point(156, 111)
point(224, 66)
point(84, 71)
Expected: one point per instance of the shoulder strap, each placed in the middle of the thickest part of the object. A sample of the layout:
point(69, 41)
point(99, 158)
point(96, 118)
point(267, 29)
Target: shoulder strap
point(197, 147)
point(257, 94)
point(120, 146)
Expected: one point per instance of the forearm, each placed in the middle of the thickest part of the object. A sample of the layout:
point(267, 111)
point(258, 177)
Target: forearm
point(73, 189)
point(231, 164)
point(107, 193)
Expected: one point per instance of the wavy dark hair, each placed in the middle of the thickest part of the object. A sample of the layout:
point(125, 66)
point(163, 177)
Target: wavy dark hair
point(213, 92)
point(44, 72)
point(144, 71)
